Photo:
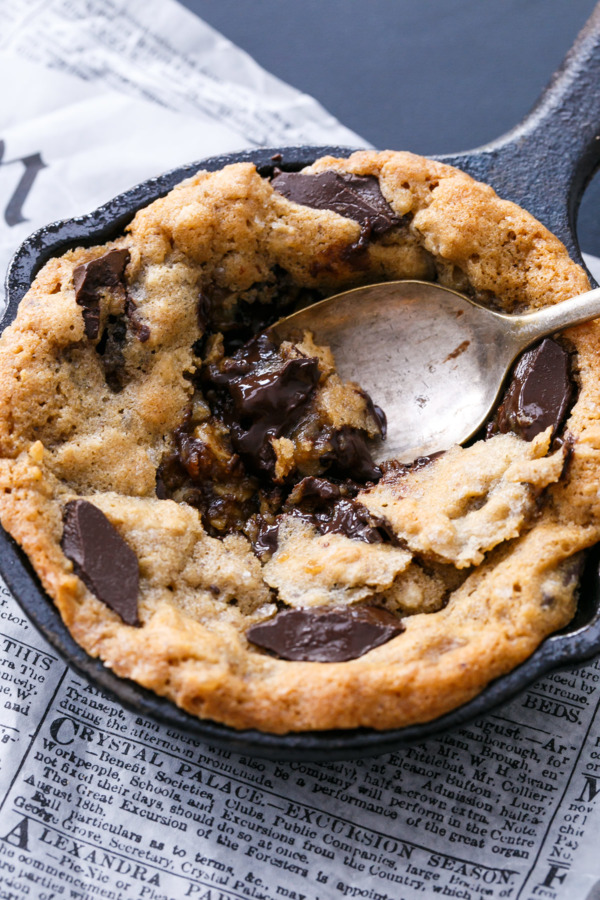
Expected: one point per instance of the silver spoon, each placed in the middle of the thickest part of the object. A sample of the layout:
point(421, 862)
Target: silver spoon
point(434, 360)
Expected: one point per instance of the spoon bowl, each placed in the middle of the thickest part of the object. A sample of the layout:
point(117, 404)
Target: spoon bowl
point(432, 358)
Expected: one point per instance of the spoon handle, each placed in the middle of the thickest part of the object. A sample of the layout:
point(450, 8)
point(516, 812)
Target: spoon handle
point(530, 327)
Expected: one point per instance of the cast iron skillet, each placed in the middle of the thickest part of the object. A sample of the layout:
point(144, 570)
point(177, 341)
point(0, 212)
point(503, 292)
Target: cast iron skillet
point(543, 164)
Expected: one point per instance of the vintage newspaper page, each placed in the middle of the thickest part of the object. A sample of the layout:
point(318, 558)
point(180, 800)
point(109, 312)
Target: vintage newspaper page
point(98, 802)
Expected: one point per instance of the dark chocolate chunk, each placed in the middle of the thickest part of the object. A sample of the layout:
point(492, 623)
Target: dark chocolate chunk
point(350, 454)
point(325, 635)
point(356, 197)
point(89, 280)
point(275, 392)
point(112, 343)
point(539, 394)
point(259, 349)
point(330, 507)
point(163, 488)
point(101, 558)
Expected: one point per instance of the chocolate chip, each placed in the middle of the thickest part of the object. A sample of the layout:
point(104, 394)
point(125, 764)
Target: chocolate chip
point(350, 455)
point(89, 279)
point(539, 394)
point(101, 558)
point(325, 635)
point(356, 197)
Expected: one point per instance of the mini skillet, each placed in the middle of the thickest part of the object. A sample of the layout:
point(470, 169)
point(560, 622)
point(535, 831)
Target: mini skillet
point(543, 165)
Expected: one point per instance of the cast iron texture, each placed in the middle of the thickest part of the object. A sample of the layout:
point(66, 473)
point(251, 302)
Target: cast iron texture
point(544, 165)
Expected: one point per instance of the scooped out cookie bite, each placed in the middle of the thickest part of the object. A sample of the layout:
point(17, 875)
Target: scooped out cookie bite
point(201, 500)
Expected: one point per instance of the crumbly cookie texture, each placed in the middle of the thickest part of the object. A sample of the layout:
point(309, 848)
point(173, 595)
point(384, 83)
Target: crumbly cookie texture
point(312, 569)
point(239, 472)
point(466, 502)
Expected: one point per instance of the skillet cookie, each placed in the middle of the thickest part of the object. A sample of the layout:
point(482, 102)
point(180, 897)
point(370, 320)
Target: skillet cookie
point(201, 502)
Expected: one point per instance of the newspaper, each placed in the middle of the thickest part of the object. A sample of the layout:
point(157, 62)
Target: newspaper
point(98, 802)
point(99, 89)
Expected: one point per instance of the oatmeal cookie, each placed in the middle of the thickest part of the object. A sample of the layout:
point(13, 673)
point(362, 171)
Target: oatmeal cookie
point(201, 501)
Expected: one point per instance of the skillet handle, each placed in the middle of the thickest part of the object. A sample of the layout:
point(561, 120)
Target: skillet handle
point(546, 161)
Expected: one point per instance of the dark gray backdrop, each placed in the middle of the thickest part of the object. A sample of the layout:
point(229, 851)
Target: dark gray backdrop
point(432, 76)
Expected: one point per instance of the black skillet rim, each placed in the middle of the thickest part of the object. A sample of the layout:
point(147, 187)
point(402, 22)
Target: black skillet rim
point(579, 641)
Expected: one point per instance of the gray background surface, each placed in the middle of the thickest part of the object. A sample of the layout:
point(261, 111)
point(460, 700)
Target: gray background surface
point(431, 76)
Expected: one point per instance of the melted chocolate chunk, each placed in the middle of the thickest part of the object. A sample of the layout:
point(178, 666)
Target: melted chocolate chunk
point(259, 349)
point(351, 518)
point(376, 413)
point(325, 635)
point(347, 517)
point(111, 345)
point(215, 483)
point(267, 395)
point(266, 539)
point(539, 394)
point(110, 348)
point(201, 462)
point(272, 402)
point(276, 392)
point(316, 490)
point(91, 278)
point(350, 455)
point(254, 396)
point(380, 417)
point(204, 310)
point(101, 558)
point(356, 197)
point(393, 469)
point(253, 312)
point(140, 329)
